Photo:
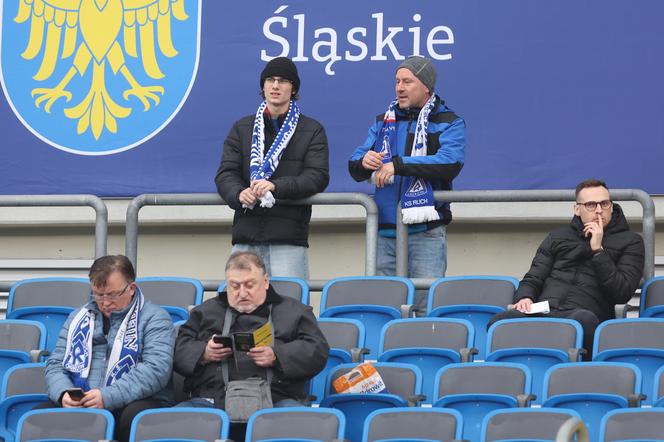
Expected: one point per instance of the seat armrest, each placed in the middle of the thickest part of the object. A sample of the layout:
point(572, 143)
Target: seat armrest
point(524, 400)
point(467, 354)
point(621, 310)
point(574, 353)
point(36, 355)
point(356, 354)
point(407, 311)
point(415, 400)
point(634, 400)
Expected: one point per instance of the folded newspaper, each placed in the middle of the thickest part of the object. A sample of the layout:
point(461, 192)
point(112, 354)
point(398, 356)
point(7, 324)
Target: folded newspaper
point(362, 379)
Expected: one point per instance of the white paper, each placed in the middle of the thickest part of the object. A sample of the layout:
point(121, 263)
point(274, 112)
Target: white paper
point(539, 307)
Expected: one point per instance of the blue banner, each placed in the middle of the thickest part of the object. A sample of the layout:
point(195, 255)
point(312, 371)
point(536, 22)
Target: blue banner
point(123, 97)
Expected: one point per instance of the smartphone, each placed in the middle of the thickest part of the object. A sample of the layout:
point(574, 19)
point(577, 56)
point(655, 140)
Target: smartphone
point(227, 341)
point(76, 393)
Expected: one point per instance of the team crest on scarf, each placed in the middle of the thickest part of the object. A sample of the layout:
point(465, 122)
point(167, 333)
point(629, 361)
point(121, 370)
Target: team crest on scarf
point(96, 77)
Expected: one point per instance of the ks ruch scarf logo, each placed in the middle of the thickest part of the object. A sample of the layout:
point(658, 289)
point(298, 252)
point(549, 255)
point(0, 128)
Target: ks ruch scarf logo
point(96, 77)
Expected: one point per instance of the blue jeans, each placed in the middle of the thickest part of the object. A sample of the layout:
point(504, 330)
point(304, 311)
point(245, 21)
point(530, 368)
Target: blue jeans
point(280, 259)
point(199, 402)
point(427, 258)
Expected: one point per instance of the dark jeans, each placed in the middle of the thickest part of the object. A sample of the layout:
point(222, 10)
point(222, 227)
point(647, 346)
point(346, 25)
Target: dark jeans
point(123, 416)
point(586, 318)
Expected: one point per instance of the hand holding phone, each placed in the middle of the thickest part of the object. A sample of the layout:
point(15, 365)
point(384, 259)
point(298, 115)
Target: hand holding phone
point(226, 341)
point(76, 393)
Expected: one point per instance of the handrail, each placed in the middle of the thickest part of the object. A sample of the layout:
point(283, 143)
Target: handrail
point(531, 196)
point(101, 212)
point(213, 199)
point(573, 426)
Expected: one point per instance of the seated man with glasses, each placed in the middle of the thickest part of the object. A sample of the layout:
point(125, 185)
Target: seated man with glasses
point(115, 352)
point(585, 269)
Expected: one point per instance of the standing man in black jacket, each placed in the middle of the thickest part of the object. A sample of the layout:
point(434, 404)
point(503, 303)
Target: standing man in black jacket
point(585, 269)
point(277, 153)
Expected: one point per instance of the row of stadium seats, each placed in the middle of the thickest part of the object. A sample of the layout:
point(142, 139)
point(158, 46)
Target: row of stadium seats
point(324, 424)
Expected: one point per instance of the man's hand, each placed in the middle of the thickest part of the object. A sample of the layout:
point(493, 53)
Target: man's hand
point(372, 160)
point(262, 356)
point(247, 197)
point(594, 230)
point(261, 187)
point(384, 175)
point(216, 352)
point(92, 399)
point(523, 305)
point(68, 402)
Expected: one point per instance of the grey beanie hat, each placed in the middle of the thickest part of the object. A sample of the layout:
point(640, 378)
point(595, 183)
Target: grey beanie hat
point(422, 68)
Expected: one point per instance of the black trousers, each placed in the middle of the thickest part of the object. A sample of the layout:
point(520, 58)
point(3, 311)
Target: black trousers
point(586, 318)
point(123, 416)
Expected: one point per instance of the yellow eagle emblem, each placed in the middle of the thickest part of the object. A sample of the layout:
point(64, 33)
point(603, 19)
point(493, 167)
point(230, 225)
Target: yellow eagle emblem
point(109, 31)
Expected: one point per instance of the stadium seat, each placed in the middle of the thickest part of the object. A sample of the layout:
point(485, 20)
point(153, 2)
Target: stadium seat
point(657, 392)
point(175, 295)
point(89, 424)
point(295, 288)
point(538, 343)
point(207, 424)
point(474, 298)
point(373, 300)
point(524, 424)
point(296, 423)
point(21, 342)
point(346, 339)
point(651, 304)
point(429, 343)
point(408, 424)
point(632, 425)
point(637, 341)
point(23, 388)
point(476, 389)
point(47, 300)
point(592, 389)
point(404, 388)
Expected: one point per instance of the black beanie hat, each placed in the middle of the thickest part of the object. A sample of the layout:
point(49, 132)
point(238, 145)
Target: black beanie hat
point(281, 67)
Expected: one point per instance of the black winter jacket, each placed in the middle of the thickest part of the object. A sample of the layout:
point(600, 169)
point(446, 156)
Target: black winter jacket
point(566, 273)
point(302, 172)
point(299, 345)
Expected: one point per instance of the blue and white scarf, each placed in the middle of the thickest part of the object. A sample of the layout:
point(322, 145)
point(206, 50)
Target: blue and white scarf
point(262, 167)
point(124, 353)
point(417, 203)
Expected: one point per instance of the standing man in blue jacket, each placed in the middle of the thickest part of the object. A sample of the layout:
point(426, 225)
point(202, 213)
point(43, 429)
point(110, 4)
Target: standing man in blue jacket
point(413, 149)
point(115, 352)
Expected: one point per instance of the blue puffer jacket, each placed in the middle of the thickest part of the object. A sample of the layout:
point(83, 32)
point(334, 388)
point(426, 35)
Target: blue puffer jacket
point(446, 141)
point(149, 378)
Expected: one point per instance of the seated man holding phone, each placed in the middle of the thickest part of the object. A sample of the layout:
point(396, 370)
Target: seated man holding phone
point(115, 352)
point(249, 331)
point(585, 269)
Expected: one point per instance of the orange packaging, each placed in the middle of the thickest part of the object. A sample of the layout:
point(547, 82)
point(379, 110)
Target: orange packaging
point(362, 379)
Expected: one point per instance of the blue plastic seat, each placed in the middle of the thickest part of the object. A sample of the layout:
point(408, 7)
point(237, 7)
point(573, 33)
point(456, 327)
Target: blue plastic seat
point(476, 389)
point(176, 295)
point(66, 424)
point(47, 300)
point(346, 338)
point(651, 304)
point(473, 298)
point(429, 343)
point(637, 341)
point(293, 423)
point(373, 300)
point(632, 425)
point(524, 424)
point(180, 423)
point(413, 424)
point(23, 388)
point(21, 342)
point(404, 388)
point(538, 343)
point(592, 389)
point(295, 288)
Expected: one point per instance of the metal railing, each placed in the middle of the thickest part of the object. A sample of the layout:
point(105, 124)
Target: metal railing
point(212, 199)
point(494, 196)
point(101, 215)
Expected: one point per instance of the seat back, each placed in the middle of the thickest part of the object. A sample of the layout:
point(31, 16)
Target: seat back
point(560, 334)
point(171, 291)
point(651, 304)
point(343, 333)
point(524, 424)
point(497, 378)
point(24, 379)
point(390, 291)
point(497, 291)
point(180, 423)
point(22, 335)
point(63, 292)
point(607, 378)
point(410, 423)
point(634, 424)
point(296, 423)
point(295, 288)
point(66, 423)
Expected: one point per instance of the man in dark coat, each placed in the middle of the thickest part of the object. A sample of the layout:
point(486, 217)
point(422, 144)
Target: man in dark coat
point(298, 352)
point(277, 153)
point(585, 269)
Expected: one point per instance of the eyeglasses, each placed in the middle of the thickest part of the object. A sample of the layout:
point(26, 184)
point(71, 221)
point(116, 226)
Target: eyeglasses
point(279, 80)
point(592, 205)
point(110, 296)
